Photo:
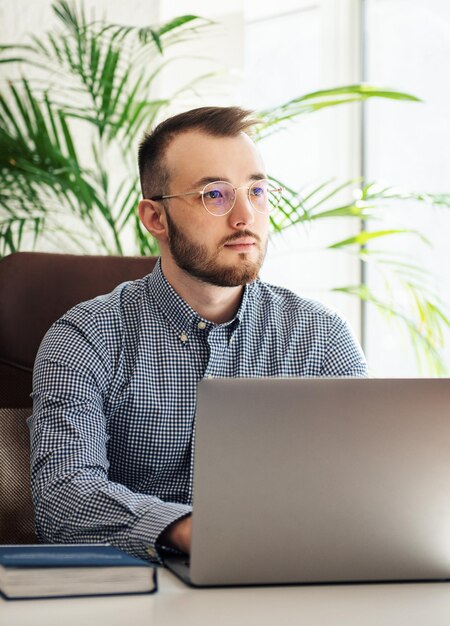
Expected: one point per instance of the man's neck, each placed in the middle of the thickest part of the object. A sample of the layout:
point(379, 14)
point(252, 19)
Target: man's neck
point(213, 303)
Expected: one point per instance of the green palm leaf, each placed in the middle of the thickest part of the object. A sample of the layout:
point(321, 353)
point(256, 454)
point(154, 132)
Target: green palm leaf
point(424, 329)
point(98, 75)
point(273, 118)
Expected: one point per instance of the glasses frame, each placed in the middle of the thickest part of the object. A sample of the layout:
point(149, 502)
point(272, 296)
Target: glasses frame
point(235, 189)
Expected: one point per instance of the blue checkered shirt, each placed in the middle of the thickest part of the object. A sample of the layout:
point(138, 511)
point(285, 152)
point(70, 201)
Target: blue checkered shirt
point(114, 391)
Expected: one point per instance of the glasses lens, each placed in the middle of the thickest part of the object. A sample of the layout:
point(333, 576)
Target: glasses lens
point(264, 196)
point(218, 197)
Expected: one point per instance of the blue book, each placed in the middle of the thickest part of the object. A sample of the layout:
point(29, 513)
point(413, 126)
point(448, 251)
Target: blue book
point(56, 570)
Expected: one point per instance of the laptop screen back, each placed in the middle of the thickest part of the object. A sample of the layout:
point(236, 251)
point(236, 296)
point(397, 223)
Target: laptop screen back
point(315, 480)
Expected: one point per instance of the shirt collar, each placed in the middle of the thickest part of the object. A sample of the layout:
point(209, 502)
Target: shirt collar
point(180, 314)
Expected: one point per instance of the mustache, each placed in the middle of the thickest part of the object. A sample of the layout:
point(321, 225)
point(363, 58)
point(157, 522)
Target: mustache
point(239, 235)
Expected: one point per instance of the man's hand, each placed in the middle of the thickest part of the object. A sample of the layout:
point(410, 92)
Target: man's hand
point(178, 535)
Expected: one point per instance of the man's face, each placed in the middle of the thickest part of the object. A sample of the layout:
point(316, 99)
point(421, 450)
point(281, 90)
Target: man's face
point(228, 250)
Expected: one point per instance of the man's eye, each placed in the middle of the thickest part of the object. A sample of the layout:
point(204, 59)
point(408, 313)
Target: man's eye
point(257, 191)
point(214, 194)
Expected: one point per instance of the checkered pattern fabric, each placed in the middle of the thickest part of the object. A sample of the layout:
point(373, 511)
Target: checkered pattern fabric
point(114, 392)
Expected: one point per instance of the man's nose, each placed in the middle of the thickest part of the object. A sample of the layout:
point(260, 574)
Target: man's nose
point(242, 214)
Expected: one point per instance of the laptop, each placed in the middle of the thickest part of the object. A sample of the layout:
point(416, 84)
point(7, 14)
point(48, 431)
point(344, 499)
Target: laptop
point(319, 480)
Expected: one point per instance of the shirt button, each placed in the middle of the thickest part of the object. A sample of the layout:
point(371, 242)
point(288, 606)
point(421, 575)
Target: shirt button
point(210, 376)
point(183, 337)
point(151, 552)
point(201, 325)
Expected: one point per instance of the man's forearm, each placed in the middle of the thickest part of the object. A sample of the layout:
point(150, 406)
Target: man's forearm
point(104, 512)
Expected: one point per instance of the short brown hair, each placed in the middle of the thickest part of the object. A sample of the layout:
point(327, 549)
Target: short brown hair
point(218, 121)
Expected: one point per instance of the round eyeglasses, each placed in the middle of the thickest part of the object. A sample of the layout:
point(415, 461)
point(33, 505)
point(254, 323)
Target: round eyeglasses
point(219, 197)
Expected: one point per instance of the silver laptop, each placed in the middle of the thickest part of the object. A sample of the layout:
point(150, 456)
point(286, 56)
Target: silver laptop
point(320, 480)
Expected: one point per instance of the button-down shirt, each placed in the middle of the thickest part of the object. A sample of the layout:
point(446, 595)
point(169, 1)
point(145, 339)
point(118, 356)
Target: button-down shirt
point(114, 393)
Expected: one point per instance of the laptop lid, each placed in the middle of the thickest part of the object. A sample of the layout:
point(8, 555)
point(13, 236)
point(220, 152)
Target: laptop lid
point(321, 480)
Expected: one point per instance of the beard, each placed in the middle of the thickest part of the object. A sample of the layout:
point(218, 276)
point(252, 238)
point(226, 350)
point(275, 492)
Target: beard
point(196, 260)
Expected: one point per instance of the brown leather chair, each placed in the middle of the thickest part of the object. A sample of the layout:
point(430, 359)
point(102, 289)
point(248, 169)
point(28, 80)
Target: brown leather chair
point(16, 508)
point(35, 290)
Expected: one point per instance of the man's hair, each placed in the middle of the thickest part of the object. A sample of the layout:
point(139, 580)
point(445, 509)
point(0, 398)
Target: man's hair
point(217, 121)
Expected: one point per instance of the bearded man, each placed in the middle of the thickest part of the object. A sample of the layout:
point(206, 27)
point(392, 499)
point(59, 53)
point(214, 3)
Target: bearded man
point(115, 379)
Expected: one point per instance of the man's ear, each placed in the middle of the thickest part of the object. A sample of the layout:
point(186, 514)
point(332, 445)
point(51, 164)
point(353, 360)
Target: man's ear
point(153, 218)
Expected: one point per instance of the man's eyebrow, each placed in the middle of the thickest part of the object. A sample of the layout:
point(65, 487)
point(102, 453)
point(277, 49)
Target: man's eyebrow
point(258, 176)
point(201, 182)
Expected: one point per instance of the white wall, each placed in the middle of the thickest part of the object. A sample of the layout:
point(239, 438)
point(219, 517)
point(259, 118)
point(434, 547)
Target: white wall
point(218, 54)
point(19, 17)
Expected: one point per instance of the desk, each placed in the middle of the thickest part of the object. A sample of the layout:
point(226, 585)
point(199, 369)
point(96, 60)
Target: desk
point(426, 604)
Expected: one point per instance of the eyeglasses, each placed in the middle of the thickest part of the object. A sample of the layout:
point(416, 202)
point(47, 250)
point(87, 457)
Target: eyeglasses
point(219, 197)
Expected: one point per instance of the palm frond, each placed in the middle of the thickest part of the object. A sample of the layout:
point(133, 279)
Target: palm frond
point(96, 73)
point(274, 118)
point(425, 316)
point(364, 236)
point(423, 322)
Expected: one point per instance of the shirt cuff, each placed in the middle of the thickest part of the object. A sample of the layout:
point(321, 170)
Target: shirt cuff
point(151, 525)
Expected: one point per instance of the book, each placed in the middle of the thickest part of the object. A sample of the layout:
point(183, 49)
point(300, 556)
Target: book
point(56, 570)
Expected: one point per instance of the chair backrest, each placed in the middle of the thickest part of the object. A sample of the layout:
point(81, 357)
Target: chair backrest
point(16, 508)
point(35, 290)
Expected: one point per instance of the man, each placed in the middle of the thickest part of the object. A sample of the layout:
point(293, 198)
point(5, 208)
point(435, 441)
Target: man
point(115, 379)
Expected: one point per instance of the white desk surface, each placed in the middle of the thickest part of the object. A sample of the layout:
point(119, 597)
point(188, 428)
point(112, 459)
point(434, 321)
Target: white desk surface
point(420, 604)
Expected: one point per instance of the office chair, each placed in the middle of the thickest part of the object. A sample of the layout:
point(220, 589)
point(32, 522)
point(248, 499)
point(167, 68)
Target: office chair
point(16, 508)
point(36, 288)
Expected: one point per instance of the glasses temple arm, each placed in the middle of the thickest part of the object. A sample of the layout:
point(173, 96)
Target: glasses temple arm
point(175, 195)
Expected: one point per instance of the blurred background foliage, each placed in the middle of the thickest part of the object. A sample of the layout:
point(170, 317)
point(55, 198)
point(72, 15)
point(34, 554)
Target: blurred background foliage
point(69, 129)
